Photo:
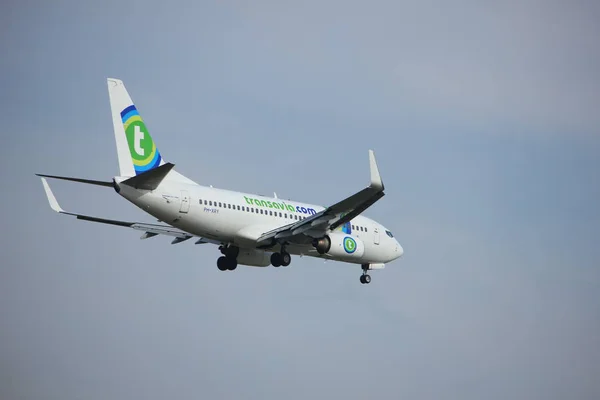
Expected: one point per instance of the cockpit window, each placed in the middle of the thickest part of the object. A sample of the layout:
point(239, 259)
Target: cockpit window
point(389, 234)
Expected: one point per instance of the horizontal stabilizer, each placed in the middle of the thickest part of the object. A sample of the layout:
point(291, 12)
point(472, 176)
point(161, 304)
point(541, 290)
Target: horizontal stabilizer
point(149, 180)
point(80, 180)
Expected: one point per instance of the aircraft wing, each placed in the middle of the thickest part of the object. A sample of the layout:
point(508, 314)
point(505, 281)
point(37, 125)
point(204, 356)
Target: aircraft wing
point(332, 217)
point(149, 230)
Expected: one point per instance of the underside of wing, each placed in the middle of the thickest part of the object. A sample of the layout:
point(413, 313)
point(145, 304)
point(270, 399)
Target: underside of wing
point(150, 230)
point(332, 217)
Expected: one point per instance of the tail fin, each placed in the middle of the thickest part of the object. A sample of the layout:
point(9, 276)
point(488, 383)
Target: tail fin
point(136, 150)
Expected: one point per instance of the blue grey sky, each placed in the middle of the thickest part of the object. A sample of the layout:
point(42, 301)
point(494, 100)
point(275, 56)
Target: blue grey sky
point(484, 119)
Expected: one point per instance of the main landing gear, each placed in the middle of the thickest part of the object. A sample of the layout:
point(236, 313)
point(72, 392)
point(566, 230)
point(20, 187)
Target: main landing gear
point(228, 262)
point(281, 259)
point(365, 278)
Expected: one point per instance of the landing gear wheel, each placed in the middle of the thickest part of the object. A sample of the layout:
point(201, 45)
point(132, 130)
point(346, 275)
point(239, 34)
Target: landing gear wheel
point(276, 259)
point(222, 264)
point(365, 278)
point(286, 259)
point(231, 264)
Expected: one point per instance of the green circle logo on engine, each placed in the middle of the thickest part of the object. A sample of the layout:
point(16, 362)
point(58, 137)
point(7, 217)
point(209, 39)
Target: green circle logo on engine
point(349, 245)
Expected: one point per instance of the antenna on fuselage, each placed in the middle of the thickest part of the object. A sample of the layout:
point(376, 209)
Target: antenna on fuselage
point(275, 194)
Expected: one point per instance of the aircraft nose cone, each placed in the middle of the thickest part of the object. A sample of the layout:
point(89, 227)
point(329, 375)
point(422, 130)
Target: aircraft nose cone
point(399, 250)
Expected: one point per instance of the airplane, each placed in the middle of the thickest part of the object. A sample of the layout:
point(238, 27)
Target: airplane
point(249, 229)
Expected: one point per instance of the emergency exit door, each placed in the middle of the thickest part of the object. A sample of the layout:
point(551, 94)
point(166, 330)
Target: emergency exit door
point(185, 202)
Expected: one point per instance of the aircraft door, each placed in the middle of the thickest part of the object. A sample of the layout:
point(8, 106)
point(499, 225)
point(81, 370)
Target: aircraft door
point(376, 235)
point(185, 202)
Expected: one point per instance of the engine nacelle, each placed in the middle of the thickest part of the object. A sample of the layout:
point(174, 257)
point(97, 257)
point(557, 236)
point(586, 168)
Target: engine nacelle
point(341, 246)
point(254, 258)
point(322, 245)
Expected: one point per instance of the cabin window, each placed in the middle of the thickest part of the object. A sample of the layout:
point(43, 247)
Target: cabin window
point(352, 226)
point(238, 207)
point(200, 200)
point(205, 202)
point(220, 205)
point(280, 214)
point(285, 215)
point(365, 229)
point(210, 202)
point(261, 211)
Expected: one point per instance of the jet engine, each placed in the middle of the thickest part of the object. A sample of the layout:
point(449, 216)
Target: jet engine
point(340, 245)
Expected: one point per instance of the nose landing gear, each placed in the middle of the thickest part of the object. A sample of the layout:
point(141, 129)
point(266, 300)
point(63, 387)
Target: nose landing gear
point(365, 278)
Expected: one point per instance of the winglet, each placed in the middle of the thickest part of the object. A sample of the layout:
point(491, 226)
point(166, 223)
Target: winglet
point(51, 199)
point(376, 182)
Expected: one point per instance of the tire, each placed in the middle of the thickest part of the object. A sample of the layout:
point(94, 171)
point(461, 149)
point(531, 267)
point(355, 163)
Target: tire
point(231, 264)
point(276, 259)
point(222, 263)
point(367, 278)
point(286, 259)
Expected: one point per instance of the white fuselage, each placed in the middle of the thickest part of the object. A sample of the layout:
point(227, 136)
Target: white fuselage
point(240, 218)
